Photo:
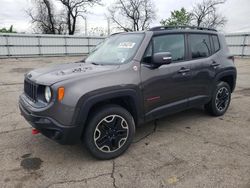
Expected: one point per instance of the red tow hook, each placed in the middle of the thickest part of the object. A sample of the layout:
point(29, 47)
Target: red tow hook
point(35, 131)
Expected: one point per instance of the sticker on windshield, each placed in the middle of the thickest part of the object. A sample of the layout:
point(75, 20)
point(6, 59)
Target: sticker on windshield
point(126, 45)
point(122, 60)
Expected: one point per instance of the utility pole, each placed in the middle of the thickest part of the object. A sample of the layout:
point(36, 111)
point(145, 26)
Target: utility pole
point(86, 26)
point(108, 19)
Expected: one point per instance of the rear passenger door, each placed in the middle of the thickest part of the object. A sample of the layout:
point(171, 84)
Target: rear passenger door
point(202, 63)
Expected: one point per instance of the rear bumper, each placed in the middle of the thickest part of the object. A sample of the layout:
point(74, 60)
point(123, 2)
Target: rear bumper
point(49, 127)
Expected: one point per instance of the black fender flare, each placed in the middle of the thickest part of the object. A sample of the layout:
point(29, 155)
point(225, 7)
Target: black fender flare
point(231, 72)
point(88, 100)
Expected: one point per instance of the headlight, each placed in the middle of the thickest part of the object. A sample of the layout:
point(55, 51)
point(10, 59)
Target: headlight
point(47, 94)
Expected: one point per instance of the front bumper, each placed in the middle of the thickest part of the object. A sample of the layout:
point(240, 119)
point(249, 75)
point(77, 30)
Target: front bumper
point(49, 127)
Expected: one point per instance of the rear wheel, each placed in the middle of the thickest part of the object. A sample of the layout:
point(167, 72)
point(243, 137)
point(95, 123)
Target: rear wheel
point(109, 132)
point(220, 99)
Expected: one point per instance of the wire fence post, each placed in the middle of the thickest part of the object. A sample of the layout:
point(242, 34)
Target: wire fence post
point(39, 45)
point(7, 45)
point(244, 45)
point(88, 44)
point(65, 45)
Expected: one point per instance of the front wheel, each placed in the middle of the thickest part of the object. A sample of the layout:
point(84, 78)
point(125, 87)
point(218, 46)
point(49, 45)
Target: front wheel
point(220, 99)
point(109, 132)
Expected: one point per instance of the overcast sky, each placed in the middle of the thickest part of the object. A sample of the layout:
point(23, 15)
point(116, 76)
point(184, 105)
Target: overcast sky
point(237, 12)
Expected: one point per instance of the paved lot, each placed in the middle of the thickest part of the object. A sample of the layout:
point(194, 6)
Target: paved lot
point(189, 149)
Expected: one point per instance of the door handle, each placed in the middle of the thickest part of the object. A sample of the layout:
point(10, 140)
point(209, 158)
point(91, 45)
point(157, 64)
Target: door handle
point(183, 70)
point(214, 64)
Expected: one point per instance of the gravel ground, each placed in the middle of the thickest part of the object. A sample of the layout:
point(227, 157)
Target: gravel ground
point(188, 149)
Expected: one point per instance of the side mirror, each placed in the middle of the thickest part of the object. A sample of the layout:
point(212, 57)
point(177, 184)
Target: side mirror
point(162, 58)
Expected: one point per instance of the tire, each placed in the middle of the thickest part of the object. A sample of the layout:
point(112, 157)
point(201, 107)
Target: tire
point(216, 107)
point(109, 132)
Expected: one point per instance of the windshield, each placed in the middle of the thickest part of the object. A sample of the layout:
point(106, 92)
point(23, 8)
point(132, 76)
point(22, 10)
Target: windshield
point(117, 49)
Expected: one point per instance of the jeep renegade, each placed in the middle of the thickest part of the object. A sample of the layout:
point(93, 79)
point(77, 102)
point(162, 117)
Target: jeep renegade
point(129, 79)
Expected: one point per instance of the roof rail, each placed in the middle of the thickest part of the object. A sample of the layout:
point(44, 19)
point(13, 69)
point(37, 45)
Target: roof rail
point(160, 28)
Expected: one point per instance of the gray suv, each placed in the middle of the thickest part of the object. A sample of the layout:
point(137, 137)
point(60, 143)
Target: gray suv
point(129, 79)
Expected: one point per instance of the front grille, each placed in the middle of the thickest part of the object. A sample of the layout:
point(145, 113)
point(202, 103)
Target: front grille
point(30, 89)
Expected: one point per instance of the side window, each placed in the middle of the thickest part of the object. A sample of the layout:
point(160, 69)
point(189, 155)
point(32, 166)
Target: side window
point(199, 45)
point(216, 43)
point(173, 43)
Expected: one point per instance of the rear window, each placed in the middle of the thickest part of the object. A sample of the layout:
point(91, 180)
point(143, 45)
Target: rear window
point(199, 45)
point(216, 43)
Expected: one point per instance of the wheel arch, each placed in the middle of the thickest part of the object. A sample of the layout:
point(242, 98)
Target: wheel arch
point(229, 77)
point(126, 98)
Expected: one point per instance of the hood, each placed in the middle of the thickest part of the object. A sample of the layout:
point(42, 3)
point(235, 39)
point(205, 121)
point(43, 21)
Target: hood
point(54, 74)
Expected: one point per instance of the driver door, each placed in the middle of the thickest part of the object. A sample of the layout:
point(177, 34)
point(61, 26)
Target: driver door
point(165, 89)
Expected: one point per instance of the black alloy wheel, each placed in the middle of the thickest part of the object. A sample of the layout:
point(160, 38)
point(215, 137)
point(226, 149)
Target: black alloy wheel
point(220, 100)
point(109, 132)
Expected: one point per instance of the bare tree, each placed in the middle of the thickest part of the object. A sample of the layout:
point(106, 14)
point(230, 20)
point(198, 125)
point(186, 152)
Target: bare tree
point(44, 18)
point(75, 9)
point(132, 15)
point(205, 14)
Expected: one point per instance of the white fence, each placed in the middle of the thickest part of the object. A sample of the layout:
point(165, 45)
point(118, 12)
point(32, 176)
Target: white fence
point(239, 44)
point(23, 45)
